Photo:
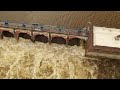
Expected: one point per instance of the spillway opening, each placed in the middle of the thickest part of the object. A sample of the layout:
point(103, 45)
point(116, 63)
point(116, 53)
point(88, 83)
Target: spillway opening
point(7, 34)
point(41, 38)
point(58, 40)
point(24, 35)
point(74, 41)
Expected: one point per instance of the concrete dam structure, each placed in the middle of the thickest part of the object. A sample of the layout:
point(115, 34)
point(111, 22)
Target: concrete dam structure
point(88, 37)
point(44, 33)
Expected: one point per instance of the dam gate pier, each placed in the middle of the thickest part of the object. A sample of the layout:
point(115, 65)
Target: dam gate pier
point(44, 33)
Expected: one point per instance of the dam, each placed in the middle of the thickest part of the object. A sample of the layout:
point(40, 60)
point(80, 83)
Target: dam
point(22, 59)
point(90, 38)
point(44, 33)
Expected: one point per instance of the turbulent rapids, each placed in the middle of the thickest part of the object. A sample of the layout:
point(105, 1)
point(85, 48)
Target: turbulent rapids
point(42, 60)
point(18, 60)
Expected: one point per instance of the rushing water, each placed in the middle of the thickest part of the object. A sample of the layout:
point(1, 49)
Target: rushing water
point(24, 60)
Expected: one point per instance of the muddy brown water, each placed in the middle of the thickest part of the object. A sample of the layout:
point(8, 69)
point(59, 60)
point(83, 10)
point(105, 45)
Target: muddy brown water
point(24, 59)
point(68, 19)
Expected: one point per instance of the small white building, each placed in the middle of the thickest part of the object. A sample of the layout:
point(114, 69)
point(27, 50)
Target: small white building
point(104, 42)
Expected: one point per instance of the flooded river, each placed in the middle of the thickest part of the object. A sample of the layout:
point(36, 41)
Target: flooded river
point(26, 60)
point(68, 19)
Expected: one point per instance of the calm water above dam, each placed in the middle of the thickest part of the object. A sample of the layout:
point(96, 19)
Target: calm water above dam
point(68, 19)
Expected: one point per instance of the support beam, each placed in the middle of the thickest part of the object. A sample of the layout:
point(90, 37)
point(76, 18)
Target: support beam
point(1, 35)
point(16, 35)
point(67, 40)
point(82, 43)
point(32, 37)
point(49, 39)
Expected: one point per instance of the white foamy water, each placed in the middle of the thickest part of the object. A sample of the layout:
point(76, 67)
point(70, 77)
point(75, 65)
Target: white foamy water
point(27, 60)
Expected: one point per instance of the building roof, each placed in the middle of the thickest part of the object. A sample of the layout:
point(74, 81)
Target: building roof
point(103, 42)
point(106, 37)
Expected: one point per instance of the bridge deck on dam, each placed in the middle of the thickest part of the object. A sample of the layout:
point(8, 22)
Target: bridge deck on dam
point(45, 34)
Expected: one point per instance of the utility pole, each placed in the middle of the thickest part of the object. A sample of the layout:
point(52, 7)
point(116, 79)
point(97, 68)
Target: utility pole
point(89, 26)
